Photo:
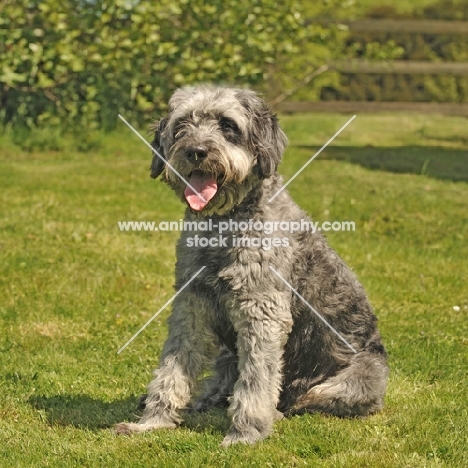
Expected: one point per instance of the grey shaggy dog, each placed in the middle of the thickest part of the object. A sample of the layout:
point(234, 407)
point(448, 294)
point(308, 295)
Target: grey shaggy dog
point(272, 355)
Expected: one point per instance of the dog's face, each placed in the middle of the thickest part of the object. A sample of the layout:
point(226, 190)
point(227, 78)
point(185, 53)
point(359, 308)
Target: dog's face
point(222, 141)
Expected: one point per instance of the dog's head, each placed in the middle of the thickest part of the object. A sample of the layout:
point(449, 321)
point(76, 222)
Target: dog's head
point(215, 145)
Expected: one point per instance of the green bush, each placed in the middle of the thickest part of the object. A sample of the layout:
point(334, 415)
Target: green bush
point(79, 63)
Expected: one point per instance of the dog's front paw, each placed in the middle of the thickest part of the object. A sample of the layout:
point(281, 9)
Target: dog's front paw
point(249, 437)
point(148, 425)
point(129, 428)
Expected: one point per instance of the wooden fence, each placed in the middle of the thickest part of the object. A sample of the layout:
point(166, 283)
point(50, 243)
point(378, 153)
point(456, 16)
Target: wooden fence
point(401, 66)
point(352, 107)
point(394, 67)
point(411, 26)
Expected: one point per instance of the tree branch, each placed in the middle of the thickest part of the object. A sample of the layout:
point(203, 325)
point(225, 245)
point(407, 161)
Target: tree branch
point(308, 78)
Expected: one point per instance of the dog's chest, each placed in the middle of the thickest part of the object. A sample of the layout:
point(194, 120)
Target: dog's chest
point(223, 327)
point(219, 296)
point(221, 288)
point(229, 279)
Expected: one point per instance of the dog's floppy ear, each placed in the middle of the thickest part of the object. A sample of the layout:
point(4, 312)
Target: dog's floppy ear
point(266, 139)
point(157, 164)
point(271, 144)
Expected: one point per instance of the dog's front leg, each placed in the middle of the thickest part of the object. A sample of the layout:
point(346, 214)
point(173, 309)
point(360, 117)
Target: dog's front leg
point(253, 403)
point(184, 354)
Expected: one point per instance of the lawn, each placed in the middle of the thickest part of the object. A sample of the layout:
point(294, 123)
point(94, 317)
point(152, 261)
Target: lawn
point(74, 289)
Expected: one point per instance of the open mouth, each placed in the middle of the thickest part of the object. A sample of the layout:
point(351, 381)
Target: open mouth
point(205, 184)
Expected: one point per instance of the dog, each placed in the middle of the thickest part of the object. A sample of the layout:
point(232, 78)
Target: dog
point(251, 312)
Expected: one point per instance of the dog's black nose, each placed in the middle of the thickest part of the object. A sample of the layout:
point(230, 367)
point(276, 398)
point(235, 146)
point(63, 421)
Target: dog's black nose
point(196, 153)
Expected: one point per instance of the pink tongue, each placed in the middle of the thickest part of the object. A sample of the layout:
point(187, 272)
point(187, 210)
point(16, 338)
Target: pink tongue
point(205, 185)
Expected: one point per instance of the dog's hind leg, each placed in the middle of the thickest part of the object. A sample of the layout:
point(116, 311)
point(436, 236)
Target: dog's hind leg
point(356, 390)
point(221, 384)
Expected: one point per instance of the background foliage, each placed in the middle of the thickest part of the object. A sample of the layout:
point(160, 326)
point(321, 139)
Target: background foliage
point(75, 64)
point(82, 62)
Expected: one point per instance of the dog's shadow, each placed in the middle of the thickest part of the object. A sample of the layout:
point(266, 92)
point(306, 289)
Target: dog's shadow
point(85, 412)
point(214, 421)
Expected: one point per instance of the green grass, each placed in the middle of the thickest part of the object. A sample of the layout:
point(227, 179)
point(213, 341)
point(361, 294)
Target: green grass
point(426, 145)
point(74, 289)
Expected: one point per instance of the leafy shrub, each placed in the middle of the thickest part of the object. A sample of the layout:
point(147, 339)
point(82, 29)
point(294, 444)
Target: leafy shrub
point(79, 63)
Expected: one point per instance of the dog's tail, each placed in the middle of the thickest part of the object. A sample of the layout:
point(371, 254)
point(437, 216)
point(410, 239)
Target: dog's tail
point(357, 390)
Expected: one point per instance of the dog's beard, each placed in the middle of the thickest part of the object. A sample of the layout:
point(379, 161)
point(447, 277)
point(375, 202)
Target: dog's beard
point(230, 195)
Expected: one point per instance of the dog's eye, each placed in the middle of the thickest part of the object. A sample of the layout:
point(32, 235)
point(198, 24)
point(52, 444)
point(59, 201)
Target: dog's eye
point(178, 128)
point(228, 125)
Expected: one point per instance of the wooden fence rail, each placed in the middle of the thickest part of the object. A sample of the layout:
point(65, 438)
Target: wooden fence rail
point(409, 26)
point(401, 66)
point(351, 107)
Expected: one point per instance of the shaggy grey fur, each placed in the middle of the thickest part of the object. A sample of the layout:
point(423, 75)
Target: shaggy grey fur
point(271, 354)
